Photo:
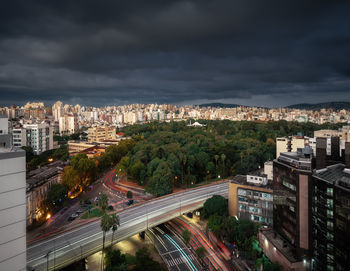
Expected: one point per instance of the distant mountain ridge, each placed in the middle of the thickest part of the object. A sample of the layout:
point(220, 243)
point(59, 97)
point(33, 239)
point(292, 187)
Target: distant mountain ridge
point(307, 106)
point(219, 105)
point(319, 106)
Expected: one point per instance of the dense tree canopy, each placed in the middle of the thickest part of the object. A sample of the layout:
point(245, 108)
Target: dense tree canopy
point(221, 148)
point(215, 205)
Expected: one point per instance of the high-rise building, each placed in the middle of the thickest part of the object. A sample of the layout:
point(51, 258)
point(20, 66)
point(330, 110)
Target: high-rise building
point(38, 136)
point(331, 217)
point(290, 241)
point(68, 124)
point(57, 110)
point(12, 204)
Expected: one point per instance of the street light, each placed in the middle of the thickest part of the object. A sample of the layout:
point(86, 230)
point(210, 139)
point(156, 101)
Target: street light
point(47, 259)
point(146, 216)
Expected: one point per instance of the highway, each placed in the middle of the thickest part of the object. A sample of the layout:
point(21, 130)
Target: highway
point(173, 251)
point(68, 247)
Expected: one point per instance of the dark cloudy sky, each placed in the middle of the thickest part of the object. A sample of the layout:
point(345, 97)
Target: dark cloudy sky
point(93, 52)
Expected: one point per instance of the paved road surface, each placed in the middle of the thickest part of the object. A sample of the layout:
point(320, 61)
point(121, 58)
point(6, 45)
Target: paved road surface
point(71, 246)
point(173, 251)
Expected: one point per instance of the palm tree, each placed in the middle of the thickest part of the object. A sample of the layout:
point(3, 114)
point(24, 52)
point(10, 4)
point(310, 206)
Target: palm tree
point(103, 203)
point(105, 227)
point(114, 223)
point(223, 157)
point(216, 163)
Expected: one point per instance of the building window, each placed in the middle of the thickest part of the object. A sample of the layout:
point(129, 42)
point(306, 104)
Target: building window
point(329, 213)
point(330, 203)
point(330, 192)
point(330, 247)
point(330, 225)
point(330, 236)
point(289, 185)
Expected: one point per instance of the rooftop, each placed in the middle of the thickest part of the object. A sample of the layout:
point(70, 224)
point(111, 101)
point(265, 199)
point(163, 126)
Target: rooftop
point(279, 243)
point(41, 175)
point(335, 174)
point(242, 179)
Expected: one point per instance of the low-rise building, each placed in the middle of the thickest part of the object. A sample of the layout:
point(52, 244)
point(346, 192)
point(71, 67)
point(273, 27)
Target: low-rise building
point(251, 197)
point(39, 182)
point(98, 134)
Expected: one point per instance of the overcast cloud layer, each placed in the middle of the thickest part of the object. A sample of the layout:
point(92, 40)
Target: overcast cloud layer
point(268, 53)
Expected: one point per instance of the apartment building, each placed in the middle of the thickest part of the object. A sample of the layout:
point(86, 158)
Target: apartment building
point(68, 124)
point(331, 216)
point(290, 144)
point(98, 134)
point(5, 139)
point(251, 197)
point(12, 204)
point(38, 136)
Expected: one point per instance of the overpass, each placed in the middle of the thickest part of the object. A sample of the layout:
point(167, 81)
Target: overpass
point(66, 248)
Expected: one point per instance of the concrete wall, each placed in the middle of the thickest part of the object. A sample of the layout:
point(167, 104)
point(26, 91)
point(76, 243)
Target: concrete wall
point(304, 211)
point(12, 211)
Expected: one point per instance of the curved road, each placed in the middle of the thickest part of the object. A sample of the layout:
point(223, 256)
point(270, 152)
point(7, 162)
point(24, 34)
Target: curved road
point(86, 240)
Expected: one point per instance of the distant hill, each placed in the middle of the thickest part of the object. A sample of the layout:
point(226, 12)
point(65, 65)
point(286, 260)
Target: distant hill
point(219, 105)
point(333, 105)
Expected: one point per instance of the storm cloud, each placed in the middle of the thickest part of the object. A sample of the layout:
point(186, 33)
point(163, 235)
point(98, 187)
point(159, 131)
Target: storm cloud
point(267, 53)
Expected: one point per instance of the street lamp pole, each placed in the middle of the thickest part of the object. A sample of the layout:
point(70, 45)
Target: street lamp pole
point(47, 259)
point(146, 216)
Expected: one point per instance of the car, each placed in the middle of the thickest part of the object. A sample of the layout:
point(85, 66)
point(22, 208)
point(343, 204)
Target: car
point(87, 201)
point(79, 211)
point(130, 202)
point(71, 218)
point(110, 207)
point(74, 215)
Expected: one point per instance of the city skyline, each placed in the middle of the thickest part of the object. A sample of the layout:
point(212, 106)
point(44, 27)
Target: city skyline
point(175, 52)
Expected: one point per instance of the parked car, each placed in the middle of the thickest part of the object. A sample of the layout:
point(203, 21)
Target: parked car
point(130, 202)
point(71, 218)
point(79, 211)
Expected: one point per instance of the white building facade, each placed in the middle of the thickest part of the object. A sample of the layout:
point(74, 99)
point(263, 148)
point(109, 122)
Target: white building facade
point(12, 210)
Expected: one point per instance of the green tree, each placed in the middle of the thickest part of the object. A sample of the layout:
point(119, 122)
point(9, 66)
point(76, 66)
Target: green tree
point(105, 227)
point(215, 205)
point(56, 196)
point(115, 224)
point(216, 157)
point(160, 183)
point(215, 224)
point(136, 169)
point(186, 235)
point(70, 178)
point(129, 194)
point(223, 157)
point(61, 153)
point(103, 203)
point(115, 260)
point(85, 167)
point(29, 153)
point(122, 167)
point(144, 262)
